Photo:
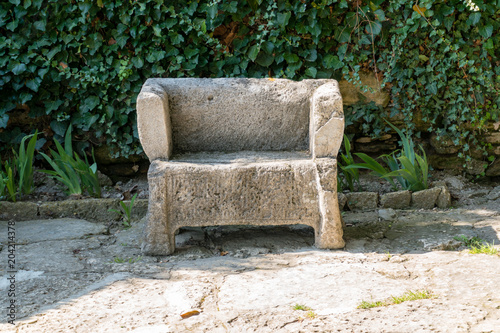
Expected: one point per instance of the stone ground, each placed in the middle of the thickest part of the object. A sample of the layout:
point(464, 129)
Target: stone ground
point(78, 276)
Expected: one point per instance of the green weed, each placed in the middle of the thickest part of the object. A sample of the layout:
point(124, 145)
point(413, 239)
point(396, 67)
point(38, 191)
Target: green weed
point(301, 307)
point(369, 305)
point(407, 167)
point(120, 260)
point(16, 178)
point(485, 248)
point(469, 242)
point(126, 211)
point(407, 296)
point(69, 169)
point(347, 176)
point(477, 245)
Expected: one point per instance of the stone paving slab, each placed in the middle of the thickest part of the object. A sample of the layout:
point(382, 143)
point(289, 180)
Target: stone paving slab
point(247, 279)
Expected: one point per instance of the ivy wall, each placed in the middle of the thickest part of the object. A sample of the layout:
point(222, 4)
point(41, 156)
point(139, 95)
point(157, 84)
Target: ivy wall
point(83, 62)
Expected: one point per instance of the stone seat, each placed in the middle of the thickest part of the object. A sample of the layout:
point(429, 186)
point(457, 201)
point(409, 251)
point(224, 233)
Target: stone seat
point(240, 152)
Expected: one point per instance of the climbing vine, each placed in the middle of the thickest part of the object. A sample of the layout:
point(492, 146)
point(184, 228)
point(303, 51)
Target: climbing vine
point(83, 62)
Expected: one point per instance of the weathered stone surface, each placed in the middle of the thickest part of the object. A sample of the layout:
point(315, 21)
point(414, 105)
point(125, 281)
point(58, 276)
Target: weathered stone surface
point(20, 211)
point(493, 137)
point(494, 193)
point(387, 214)
point(359, 201)
point(276, 191)
point(327, 123)
point(103, 179)
point(396, 200)
point(443, 145)
point(446, 162)
point(444, 198)
point(352, 94)
point(88, 209)
point(197, 119)
point(493, 169)
point(475, 167)
point(425, 199)
point(342, 200)
point(35, 231)
point(227, 114)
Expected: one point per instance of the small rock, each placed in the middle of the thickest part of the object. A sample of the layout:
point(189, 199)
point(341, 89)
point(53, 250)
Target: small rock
point(425, 199)
point(342, 200)
point(359, 201)
point(396, 200)
point(494, 193)
point(454, 183)
point(387, 214)
point(494, 168)
point(103, 179)
point(364, 140)
point(444, 197)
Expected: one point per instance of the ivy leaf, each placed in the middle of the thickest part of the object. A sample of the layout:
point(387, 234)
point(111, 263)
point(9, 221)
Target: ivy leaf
point(39, 25)
point(18, 69)
point(342, 51)
point(4, 119)
point(58, 127)
point(268, 47)
point(486, 31)
point(423, 57)
point(176, 38)
point(34, 84)
point(253, 52)
point(291, 58)
point(489, 44)
point(212, 11)
point(311, 72)
point(432, 88)
point(264, 59)
point(380, 14)
point(137, 62)
point(474, 18)
point(254, 4)
point(283, 19)
point(373, 28)
point(333, 62)
point(52, 105)
point(89, 103)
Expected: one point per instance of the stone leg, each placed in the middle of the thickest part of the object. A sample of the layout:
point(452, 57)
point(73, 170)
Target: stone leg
point(329, 231)
point(158, 238)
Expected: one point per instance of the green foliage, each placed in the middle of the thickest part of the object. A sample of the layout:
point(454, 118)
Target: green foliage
point(126, 211)
point(82, 63)
point(16, 178)
point(347, 177)
point(485, 248)
point(469, 242)
point(75, 174)
point(407, 296)
point(477, 245)
point(301, 307)
point(406, 166)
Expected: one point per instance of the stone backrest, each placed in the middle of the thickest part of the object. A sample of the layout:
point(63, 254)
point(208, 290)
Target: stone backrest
point(227, 115)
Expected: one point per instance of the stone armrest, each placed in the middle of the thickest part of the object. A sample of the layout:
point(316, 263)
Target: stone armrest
point(153, 122)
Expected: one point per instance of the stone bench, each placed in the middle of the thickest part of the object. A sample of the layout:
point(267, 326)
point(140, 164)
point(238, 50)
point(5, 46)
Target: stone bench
point(240, 152)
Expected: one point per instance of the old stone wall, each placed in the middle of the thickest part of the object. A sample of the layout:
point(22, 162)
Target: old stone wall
point(442, 153)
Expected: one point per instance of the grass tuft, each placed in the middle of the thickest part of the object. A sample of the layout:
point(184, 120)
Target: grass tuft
point(485, 248)
point(407, 296)
point(301, 307)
